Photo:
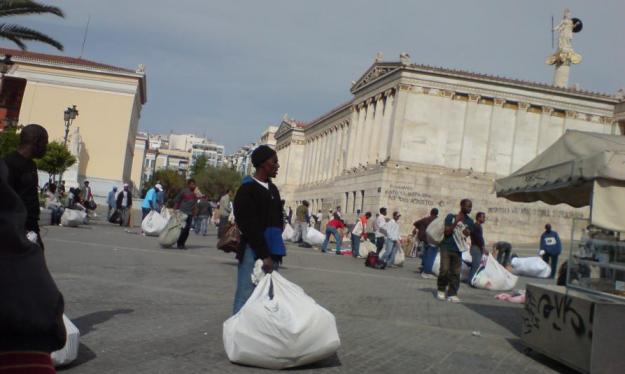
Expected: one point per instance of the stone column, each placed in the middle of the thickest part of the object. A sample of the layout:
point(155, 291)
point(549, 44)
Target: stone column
point(315, 173)
point(324, 156)
point(397, 121)
point(491, 153)
point(355, 117)
point(313, 157)
point(306, 161)
point(363, 136)
point(336, 162)
point(374, 141)
point(519, 123)
point(469, 114)
point(386, 126)
point(545, 118)
point(331, 154)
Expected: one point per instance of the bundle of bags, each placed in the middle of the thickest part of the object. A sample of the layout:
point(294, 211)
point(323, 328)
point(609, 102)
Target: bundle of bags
point(170, 233)
point(154, 223)
point(73, 218)
point(288, 233)
point(366, 247)
point(493, 276)
point(280, 327)
point(530, 267)
point(314, 237)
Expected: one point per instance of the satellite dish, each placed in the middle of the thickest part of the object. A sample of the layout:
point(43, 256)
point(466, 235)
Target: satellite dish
point(577, 24)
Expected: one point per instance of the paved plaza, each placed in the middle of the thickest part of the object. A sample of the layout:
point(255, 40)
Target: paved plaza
point(143, 309)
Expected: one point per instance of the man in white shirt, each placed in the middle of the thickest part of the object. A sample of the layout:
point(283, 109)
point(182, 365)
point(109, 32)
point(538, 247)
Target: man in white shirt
point(380, 221)
point(359, 232)
point(391, 230)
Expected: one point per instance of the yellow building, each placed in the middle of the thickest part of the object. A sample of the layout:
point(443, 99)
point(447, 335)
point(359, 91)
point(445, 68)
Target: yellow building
point(109, 100)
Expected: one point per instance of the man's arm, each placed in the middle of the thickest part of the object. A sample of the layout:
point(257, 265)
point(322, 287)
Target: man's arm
point(450, 226)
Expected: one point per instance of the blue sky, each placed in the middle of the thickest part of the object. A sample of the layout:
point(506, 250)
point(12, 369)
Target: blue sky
point(228, 69)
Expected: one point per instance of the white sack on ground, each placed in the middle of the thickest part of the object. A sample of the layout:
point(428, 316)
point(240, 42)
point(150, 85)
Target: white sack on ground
point(493, 276)
point(69, 352)
point(287, 331)
point(399, 259)
point(465, 268)
point(366, 247)
point(530, 267)
point(73, 218)
point(314, 237)
point(172, 230)
point(153, 224)
point(288, 233)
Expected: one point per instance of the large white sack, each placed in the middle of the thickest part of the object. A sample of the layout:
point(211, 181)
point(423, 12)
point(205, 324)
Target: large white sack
point(465, 268)
point(287, 331)
point(314, 237)
point(288, 233)
point(493, 276)
point(69, 352)
point(435, 232)
point(399, 259)
point(530, 267)
point(366, 247)
point(172, 230)
point(153, 223)
point(73, 218)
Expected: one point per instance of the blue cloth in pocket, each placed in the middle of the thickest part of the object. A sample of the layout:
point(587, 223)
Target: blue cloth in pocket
point(273, 238)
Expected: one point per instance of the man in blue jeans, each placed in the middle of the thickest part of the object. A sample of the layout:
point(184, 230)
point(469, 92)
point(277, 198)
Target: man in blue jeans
point(332, 228)
point(550, 248)
point(260, 219)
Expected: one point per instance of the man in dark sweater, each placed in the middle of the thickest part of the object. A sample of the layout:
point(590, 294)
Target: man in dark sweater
point(477, 244)
point(31, 324)
point(186, 202)
point(22, 173)
point(259, 217)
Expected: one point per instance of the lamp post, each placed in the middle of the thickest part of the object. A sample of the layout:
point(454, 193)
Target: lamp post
point(69, 116)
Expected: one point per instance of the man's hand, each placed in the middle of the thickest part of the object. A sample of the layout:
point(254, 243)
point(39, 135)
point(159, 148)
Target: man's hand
point(268, 265)
point(466, 232)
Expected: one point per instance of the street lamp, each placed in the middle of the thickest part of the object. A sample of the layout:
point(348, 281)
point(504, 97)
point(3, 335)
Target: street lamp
point(69, 115)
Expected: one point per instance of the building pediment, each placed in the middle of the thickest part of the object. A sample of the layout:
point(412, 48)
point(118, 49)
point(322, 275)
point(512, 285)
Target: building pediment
point(375, 72)
point(284, 128)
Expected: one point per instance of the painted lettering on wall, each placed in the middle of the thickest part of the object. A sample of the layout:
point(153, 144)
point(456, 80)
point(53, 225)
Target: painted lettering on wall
point(537, 212)
point(407, 194)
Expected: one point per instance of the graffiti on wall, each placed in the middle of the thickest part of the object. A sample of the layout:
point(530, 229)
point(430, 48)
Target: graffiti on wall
point(556, 313)
point(406, 194)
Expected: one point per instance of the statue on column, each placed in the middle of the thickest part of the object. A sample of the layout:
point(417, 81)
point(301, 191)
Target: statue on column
point(75, 147)
point(564, 56)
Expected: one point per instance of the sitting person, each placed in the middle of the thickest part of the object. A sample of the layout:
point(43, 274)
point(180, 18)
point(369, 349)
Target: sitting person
point(54, 204)
point(74, 200)
point(501, 251)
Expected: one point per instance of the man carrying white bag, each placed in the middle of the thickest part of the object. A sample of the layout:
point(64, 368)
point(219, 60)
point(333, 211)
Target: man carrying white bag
point(287, 330)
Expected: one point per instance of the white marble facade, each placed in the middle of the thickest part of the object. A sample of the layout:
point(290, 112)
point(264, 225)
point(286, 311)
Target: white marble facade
point(419, 119)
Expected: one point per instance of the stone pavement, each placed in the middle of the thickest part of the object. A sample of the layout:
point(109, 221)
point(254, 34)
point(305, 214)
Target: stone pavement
point(143, 309)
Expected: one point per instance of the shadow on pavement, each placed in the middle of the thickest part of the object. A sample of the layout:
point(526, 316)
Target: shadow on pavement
point(505, 316)
point(554, 365)
point(330, 362)
point(87, 323)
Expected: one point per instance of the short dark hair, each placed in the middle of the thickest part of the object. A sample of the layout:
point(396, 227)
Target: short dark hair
point(480, 214)
point(434, 212)
point(305, 203)
point(464, 201)
point(368, 214)
point(32, 133)
point(383, 211)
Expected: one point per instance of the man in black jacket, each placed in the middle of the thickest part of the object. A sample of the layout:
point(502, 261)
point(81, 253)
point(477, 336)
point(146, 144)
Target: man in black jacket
point(124, 204)
point(22, 173)
point(259, 217)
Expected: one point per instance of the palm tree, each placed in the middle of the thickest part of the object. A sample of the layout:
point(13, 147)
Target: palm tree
point(19, 34)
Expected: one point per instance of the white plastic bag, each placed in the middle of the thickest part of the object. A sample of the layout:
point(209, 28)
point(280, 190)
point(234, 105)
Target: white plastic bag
point(288, 233)
point(435, 232)
point(153, 223)
point(465, 268)
point(73, 218)
point(366, 247)
point(287, 331)
point(172, 230)
point(69, 352)
point(530, 267)
point(314, 237)
point(399, 259)
point(493, 276)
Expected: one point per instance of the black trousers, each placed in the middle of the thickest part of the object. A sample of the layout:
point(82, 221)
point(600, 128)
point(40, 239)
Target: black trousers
point(184, 234)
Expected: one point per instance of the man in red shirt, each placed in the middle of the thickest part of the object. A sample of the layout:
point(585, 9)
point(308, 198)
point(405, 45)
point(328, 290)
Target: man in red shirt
point(332, 228)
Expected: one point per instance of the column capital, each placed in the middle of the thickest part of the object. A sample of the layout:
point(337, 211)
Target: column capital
point(523, 105)
point(405, 87)
point(547, 110)
point(474, 98)
point(499, 101)
point(570, 114)
point(379, 96)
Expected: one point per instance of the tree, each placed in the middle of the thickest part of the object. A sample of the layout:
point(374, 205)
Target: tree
point(20, 34)
point(200, 164)
point(56, 160)
point(9, 140)
point(213, 182)
point(171, 181)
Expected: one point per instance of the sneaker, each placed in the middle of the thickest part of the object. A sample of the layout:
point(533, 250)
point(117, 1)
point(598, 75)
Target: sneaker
point(440, 295)
point(453, 299)
point(428, 276)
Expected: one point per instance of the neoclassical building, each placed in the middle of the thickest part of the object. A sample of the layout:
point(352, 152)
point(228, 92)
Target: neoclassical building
point(415, 137)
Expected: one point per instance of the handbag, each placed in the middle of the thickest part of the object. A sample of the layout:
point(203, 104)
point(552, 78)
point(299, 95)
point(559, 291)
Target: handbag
point(230, 240)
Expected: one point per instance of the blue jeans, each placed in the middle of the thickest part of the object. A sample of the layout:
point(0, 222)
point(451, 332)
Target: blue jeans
point(392, 246)
point(355, 245)
point(428, 258)
point(476, 258)
point(331, 231)
point(201, 225)
point(245, 287)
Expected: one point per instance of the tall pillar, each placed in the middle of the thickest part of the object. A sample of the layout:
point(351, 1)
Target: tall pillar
point(357, 113)
point(386, 126)
point(313, 155)
point(323, 165)
point(545, 118)
point(315, 170)
point(376, 130)
point(519, 123)
point(336, 162)
point(397, 121)
point(306, 161)
point(363, 136)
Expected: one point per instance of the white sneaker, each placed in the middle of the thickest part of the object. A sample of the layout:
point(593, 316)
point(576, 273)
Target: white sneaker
point(440, 295)
point(428, 276)
point(453, 299)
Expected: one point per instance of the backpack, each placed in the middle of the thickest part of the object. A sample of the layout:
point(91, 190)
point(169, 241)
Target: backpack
point(372, 260)
point(435, 232)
